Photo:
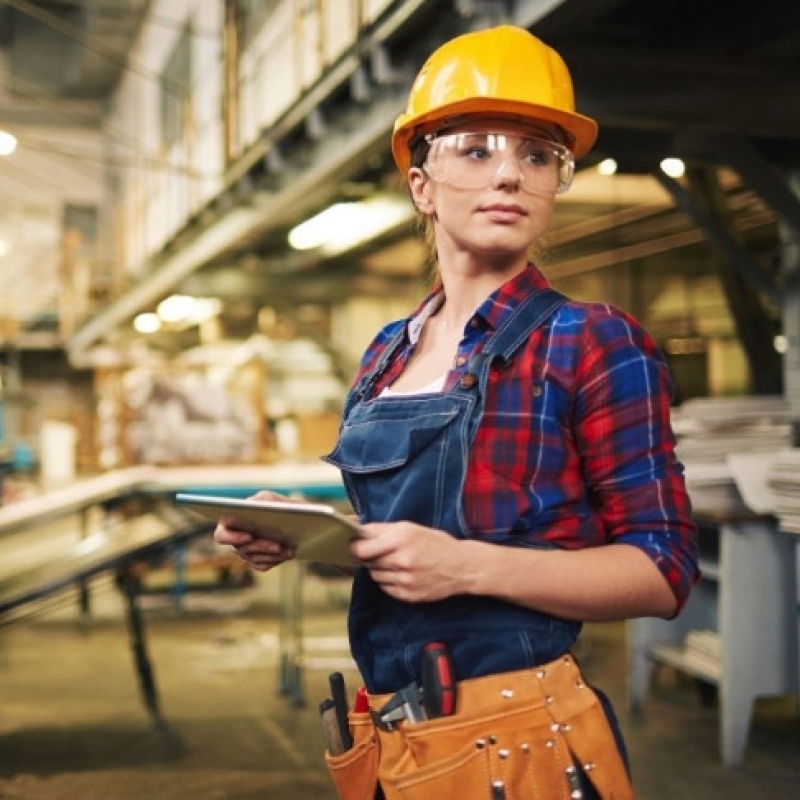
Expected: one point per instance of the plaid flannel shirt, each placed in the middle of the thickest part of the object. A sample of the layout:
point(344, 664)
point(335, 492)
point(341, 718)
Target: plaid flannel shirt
point(575, 448)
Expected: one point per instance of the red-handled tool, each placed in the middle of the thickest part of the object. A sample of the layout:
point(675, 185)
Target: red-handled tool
point(438, 681)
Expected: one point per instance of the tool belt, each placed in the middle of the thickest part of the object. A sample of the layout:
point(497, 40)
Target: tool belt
point(514, 736)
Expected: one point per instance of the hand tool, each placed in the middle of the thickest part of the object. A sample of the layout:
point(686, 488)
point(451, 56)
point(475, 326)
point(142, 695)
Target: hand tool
point(339, 695)
point(438, 681)
point(361, 703)
point(330, 727)
point(403, 705)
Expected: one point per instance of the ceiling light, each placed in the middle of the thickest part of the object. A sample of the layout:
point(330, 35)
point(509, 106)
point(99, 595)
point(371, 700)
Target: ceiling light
point(3, 248)
point(8, 143)
point(147, 323)
point(203, 309)
point(343, 226)
point(319, 229)
point(673, 167)
point(608, 166)
point(175, 308)
point(188, 310)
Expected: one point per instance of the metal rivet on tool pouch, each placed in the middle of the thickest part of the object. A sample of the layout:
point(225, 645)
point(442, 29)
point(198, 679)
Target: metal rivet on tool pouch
point(541, 673)
point(550, 743)
point(480, 744)
point(503, 753)
point(507, 693)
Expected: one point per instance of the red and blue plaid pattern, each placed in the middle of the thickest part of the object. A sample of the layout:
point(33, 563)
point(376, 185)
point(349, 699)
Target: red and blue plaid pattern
point(575, 448)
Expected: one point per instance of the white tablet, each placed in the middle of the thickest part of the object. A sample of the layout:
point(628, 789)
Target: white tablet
point(317, 531)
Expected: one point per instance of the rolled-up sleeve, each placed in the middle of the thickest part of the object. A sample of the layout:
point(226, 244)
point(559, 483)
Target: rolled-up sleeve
point(622, 421)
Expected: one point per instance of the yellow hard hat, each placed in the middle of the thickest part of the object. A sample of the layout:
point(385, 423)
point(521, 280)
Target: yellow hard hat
point(503, 71)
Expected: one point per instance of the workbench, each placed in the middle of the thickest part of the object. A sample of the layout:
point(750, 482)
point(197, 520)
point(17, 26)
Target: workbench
point(746, 601)
point(151, 530)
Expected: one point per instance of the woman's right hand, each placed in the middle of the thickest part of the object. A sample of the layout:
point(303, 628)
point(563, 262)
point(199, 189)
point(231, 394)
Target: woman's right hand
point(259, 552)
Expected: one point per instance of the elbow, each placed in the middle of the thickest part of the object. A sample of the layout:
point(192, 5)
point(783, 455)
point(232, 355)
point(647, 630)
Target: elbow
point(667, 606)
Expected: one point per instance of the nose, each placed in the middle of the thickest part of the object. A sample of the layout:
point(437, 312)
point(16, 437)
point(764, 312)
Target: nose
point(508, 171)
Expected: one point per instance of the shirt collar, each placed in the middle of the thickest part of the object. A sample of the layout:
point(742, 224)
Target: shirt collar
point(493, 311)
point(426, 309)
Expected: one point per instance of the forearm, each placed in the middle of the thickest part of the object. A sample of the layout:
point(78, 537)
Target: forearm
point(606, 583)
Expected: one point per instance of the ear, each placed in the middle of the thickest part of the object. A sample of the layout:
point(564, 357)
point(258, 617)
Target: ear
point(420, 185)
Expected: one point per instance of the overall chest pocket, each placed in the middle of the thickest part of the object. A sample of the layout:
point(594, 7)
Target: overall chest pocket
point(377, 442)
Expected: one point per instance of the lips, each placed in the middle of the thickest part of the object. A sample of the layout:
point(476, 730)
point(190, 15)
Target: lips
point(504, 211)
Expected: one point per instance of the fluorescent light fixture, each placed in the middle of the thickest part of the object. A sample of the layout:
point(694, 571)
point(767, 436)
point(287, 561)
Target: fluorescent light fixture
point(608, 166)
point(343, 226)
point(781, 343)
point(3, 248)
point(187, 310)
point(147, 322)
point(175, 308)
point(673, 167)
point(8, 143)
point(203, 309)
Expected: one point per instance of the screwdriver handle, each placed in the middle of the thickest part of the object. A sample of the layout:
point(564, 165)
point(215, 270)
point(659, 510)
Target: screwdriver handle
point(438, 681)
point(339, 696)
point(330, 727)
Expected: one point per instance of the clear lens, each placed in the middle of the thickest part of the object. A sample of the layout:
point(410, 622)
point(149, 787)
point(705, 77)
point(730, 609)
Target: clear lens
point(477, 160)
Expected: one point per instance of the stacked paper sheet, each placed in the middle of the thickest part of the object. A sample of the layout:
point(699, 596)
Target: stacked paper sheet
point(784, 481)
point(703, 651)
point(710, 430)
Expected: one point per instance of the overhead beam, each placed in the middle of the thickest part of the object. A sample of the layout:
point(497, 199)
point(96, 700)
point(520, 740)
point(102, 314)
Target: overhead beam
point(551, 17)
point(662, 90)
point(736, 273)
point(336, 75)
point(721, 237)
point(764, 179)
point(328, 163)
point(78, 114)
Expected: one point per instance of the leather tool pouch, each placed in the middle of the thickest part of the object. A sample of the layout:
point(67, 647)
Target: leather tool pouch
point(515, 736)
point(355, 772)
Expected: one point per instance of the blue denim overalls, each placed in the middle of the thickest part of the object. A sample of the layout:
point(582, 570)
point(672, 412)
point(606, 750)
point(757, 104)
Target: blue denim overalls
point(405, 458)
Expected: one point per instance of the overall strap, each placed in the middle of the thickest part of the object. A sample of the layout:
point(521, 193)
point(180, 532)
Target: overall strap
point(531, 313)
point(514, 332)
point(363, 388)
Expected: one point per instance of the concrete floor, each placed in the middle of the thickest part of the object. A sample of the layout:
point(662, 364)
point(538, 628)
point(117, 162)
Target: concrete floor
point(72, 724)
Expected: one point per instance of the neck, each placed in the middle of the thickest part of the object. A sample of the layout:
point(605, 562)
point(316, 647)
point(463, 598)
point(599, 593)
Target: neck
point(466, 286)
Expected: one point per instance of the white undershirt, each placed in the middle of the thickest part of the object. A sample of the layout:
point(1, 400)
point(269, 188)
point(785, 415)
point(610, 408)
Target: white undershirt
point(415, 327)
point(433, 386)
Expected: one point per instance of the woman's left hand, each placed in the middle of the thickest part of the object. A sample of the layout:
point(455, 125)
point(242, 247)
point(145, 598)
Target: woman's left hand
point(411, 562)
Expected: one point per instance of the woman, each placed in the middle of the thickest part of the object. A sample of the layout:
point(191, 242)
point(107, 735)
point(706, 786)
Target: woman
point(509, 454)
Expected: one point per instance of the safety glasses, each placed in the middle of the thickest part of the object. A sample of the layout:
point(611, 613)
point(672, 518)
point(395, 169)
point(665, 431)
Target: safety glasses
point(477, 160)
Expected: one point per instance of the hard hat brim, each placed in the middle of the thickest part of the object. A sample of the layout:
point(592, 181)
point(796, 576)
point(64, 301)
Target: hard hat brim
point(582, 130)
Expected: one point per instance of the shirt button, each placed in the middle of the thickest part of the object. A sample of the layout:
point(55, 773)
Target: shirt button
point(468, 381)
point(461, 360)
point(473, 323)
point(536, 390)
